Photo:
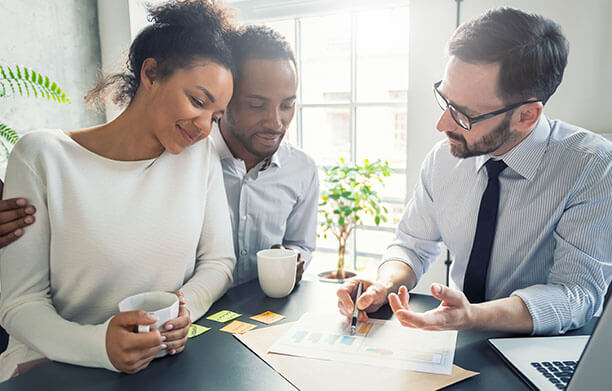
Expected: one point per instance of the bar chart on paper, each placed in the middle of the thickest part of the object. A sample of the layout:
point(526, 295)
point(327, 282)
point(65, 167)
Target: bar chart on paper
point(376, 342)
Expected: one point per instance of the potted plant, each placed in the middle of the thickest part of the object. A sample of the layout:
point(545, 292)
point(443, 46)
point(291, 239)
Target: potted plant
point(25, 82)
point(346, 198)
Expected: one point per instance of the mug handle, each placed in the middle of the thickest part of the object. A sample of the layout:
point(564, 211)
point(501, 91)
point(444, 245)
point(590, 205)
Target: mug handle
point(143, 329)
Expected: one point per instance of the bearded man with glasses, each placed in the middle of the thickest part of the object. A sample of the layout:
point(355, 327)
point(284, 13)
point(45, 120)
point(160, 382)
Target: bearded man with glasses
point(524, 203)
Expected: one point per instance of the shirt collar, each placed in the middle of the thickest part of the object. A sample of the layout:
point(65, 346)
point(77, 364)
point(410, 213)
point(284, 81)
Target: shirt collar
point(219, 143)
point(525, 158)
point(225, 153)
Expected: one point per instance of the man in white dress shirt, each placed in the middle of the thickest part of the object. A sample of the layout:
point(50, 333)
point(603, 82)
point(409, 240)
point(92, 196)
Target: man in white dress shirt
point(524, 203)
point(272, 187)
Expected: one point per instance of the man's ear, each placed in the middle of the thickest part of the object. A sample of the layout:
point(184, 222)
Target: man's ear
point(148, 72)
point(528, 115)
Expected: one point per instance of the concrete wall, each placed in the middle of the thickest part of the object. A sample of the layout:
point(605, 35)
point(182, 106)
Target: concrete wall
point(58, 38)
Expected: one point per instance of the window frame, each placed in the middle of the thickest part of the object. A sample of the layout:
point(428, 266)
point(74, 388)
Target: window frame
point(352, 105)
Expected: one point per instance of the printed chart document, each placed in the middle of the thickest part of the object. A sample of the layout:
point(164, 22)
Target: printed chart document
point(377, 342)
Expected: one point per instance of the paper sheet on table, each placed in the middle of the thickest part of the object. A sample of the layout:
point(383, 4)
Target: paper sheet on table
point(312, 374)
point(382, 343)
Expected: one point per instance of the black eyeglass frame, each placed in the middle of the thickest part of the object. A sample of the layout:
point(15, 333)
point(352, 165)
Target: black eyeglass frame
point(473, 120)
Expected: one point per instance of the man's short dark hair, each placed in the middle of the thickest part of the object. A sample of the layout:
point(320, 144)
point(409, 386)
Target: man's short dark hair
point(531, 50)
point(259, 43)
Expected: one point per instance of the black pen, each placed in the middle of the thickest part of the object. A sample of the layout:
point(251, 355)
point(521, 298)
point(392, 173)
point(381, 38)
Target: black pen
point(355, 310)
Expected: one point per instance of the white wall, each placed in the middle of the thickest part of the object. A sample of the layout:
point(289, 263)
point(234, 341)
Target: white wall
point(585, 95)
point(56, 38)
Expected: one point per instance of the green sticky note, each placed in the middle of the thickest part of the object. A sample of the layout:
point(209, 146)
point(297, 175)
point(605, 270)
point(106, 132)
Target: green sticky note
point(196, 330)
point(224, 316)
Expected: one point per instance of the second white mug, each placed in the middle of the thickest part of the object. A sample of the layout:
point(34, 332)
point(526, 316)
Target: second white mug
point(276, 270)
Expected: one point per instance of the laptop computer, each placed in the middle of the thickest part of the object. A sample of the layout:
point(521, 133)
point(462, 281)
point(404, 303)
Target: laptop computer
point(563, 363)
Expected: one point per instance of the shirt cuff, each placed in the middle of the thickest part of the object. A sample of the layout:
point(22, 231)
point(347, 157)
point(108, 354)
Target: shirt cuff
point(105, 361)
point(397, 253)
point(549, 309)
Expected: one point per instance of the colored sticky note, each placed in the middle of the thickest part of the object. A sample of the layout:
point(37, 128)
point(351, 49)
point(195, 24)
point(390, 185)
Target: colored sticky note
point(238, 327)
point(224, 316)
point(365, 327)
point(196, 330)
point(268, 317)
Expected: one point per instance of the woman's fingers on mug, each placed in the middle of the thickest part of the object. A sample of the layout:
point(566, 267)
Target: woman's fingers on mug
point(176, 345)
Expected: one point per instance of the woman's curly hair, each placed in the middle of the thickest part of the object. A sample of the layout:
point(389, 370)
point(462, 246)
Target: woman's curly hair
point(182, 31)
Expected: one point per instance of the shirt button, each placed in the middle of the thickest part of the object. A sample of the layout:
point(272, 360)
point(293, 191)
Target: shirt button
point(243, 252)
point(244, 217)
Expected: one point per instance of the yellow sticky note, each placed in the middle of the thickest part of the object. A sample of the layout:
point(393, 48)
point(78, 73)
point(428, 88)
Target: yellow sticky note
point(238, 327)
point(268, 317)
point(224, 316)
point(196, 330)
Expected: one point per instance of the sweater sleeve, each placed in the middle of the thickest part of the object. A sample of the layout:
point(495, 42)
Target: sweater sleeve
point(215, 259)
point(27, 311)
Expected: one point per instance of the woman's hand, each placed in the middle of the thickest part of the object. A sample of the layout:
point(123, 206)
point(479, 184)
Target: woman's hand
point(127, 350)
point(175, 331)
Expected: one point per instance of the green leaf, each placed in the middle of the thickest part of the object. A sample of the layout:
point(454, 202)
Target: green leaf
point(377, 220)
point(22, 80)
point(9, 135)
point(340, 221)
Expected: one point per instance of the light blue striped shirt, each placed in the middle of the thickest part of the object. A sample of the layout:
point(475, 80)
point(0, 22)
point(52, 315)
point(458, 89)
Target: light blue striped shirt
point(553, 243)
point(277, 205)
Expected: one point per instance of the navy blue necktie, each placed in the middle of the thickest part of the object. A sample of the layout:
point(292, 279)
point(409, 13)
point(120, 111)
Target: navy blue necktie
point(475, 279)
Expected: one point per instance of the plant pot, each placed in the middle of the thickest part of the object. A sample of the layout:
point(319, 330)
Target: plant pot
point(330, 276)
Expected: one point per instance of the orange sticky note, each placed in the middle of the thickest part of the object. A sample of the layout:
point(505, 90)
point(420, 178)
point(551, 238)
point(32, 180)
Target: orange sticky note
point(268, 317)
point(365, 327)
point(238, 327)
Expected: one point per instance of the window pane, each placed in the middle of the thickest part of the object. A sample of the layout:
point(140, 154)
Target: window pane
point(326, 59)
point(286, 28)
point(291, 134)
point(373, 241)
point(382, 55)
point(326, 133)
point(393, 186)
point(394, 215)
point(325, 261)
point(381, 133)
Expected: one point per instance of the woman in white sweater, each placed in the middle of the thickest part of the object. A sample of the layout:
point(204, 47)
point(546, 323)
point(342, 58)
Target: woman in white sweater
point(134, 205)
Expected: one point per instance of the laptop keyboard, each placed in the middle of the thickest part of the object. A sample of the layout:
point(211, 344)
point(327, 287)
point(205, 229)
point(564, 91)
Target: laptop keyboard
point(557, 372)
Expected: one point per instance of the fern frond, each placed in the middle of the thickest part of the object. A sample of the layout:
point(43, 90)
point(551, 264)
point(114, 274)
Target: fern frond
point(6, 150)
point(7, 135)
point(22, 81)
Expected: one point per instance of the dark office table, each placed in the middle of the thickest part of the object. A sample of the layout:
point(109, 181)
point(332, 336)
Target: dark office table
point(217, 361)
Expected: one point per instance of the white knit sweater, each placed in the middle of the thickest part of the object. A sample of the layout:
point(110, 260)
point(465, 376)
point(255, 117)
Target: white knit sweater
point(104, 230)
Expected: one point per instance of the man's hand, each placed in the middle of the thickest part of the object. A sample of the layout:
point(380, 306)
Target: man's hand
point(454, 312)
point(15, 213)
point(373, 297)
point(299, 270)
point(127, 350)
point(174, 332)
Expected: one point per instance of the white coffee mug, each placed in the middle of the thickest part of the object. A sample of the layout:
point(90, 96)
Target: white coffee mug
point(276, 270)
point(163, 305)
